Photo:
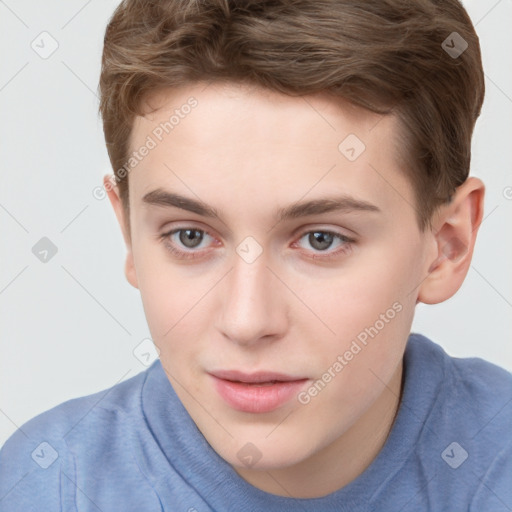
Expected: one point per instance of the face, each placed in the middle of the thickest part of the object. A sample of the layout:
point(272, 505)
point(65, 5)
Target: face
point(278, 260)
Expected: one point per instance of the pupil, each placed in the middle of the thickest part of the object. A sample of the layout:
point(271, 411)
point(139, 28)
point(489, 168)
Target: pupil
point(187, 237)
point(320, 240)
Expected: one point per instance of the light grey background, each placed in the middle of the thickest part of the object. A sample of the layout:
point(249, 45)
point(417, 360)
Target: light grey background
point(69, 326)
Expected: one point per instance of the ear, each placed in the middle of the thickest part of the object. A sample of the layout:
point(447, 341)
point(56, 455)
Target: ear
point(119, 210)
point(454, 232)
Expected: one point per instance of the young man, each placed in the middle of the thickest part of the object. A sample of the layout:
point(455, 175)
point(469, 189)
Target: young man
point(291, 179)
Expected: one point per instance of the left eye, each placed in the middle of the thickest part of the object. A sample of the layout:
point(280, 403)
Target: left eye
point(323, 240)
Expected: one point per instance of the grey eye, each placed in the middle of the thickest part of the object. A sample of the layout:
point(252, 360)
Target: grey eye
point(190, 238)
point(320, 240)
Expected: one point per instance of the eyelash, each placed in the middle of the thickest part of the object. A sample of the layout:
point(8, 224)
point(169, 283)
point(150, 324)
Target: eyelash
point(191, 255)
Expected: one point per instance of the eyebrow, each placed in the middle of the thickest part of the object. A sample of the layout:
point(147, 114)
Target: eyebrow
point(343, 203)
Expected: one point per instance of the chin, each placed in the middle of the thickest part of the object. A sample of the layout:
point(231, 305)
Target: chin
point(264, 454)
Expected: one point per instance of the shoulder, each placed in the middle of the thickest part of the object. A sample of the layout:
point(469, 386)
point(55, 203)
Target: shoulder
point(59, 421)
point(493, 490)
point(467, 436)
point(472, 377)
point(37, 461)
point(477, 392)
point(483, 394)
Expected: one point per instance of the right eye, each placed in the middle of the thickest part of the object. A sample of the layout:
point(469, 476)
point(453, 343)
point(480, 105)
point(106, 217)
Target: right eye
point(184, 242)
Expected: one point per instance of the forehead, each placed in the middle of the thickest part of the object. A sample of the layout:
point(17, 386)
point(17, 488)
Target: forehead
point(254, 111)
point(220, 139)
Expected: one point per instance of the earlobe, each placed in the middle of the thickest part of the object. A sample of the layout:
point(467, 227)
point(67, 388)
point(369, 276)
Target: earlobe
point(455, 235)
point(115, 201)
point(129, 269)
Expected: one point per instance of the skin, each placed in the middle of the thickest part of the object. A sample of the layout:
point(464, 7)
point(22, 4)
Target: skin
point(247, 152)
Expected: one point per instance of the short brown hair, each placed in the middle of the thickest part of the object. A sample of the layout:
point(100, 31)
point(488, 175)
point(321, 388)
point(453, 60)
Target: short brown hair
point(384, 55)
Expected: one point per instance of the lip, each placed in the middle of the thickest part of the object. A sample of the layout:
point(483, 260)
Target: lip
point(258, 392)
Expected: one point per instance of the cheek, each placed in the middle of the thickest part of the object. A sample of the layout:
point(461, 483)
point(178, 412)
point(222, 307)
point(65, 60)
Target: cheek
point(166, 294)
point(370, 308)
point(169, 310)
point(372, 325)
point(357, 300)
point(176, 301)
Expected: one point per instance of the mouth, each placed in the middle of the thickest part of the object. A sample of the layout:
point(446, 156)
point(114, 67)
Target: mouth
point(258, 392)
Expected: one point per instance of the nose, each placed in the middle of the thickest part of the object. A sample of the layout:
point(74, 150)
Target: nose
point(252, 303)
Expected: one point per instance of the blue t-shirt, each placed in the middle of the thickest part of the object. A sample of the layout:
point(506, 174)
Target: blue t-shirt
point(134, 447)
